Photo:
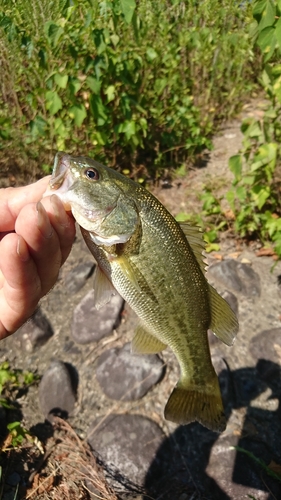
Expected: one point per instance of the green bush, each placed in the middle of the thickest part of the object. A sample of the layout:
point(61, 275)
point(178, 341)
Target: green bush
point(137, 87)
point(256, 193)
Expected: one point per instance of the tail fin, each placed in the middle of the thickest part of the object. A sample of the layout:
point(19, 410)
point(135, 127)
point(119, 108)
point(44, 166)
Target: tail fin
point(186, 405)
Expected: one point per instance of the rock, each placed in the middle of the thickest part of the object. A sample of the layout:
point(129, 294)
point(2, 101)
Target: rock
point(236, 474)
point(77, 277)
point(127, 376)
point(57, 390)
point(236, 276)
point(126, 445)
point(35, 332)
point(90, 324)
point(267, 345)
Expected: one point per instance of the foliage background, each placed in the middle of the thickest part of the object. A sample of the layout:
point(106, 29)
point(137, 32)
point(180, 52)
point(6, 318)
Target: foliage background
point(137, 87)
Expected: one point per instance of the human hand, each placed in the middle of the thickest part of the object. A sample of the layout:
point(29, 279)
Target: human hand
point(35, 240)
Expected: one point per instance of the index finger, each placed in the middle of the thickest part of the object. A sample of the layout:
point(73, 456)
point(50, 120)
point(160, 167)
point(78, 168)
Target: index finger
point(12, 200)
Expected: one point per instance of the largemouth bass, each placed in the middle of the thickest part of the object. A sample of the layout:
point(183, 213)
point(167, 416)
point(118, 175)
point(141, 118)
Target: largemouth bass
point(156, 265)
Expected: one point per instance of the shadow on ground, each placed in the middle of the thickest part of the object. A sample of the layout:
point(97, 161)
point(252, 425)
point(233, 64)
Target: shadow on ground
point(199, 463)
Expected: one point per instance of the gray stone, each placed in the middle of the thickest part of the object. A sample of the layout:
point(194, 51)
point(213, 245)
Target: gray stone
point(236, 276)
point(35, 332)
point(57, 391)
point(126, 445)
point(267, 345)
point(127, 376)
point(77, 277)
point(236, 474)
point(90, 324)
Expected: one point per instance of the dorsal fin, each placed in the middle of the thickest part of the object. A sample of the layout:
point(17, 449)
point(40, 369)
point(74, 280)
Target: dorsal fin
point(194, 236)
point(224, 323)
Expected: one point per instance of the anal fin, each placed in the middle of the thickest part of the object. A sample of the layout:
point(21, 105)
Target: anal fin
point(145, 343)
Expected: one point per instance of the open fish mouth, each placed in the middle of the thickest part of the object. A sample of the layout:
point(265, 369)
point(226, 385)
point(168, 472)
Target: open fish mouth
point(62, 183)
point(60, 171)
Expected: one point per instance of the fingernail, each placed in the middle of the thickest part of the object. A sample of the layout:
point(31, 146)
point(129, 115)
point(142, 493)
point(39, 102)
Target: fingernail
point(43, 222)
point(59, 211)
point(22, 249)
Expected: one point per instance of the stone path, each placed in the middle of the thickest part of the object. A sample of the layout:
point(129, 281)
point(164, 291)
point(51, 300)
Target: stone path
point(115, 400)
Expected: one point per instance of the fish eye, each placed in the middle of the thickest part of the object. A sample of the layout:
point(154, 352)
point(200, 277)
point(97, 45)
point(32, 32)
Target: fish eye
point(91, 174)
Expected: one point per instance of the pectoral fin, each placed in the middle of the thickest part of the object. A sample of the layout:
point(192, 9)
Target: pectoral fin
point(103, 288)
point(128, 271)
point(224, 323)
point(145, 343)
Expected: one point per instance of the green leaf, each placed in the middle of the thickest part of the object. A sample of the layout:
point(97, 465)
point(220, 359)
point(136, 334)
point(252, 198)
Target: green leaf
point(151, 54)
point(268, 16)
point(53, 32)
point(129, 129)
point(128, 8)
point(235, 165)
point(115, 39)
point(260, 195)
point(98, 37)
point(278, 33)
point(258, 9)
point(98, 110)
point(93, 84)
point(266, 41)
point(53, 102)
point(38, 126)
point(78, 113)
point(61, 80)
point(182, 217)
point(110, 92)
point(74, 85)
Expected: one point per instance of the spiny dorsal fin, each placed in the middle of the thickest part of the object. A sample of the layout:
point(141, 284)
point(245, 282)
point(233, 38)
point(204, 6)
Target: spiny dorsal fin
point(103, 288)
point(224, 323)
point(145, 343)
point(194, 236)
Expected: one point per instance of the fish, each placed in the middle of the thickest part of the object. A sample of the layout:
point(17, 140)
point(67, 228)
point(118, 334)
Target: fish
point(157, 265)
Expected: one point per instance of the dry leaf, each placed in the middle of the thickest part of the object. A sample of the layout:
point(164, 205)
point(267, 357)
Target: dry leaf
point(217, 256)
point(7, 442)
point(234, 255)
point(229, 214)
point(275, 467)
point(265, 252)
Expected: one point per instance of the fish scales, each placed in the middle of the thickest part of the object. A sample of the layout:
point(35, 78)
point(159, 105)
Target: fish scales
point(174, 309)
point(144, 253)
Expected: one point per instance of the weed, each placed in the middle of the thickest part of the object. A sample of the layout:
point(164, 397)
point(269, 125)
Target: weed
point(255, 194)
point(92, 78)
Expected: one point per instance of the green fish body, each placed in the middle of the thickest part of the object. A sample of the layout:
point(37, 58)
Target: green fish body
point(157, 266)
